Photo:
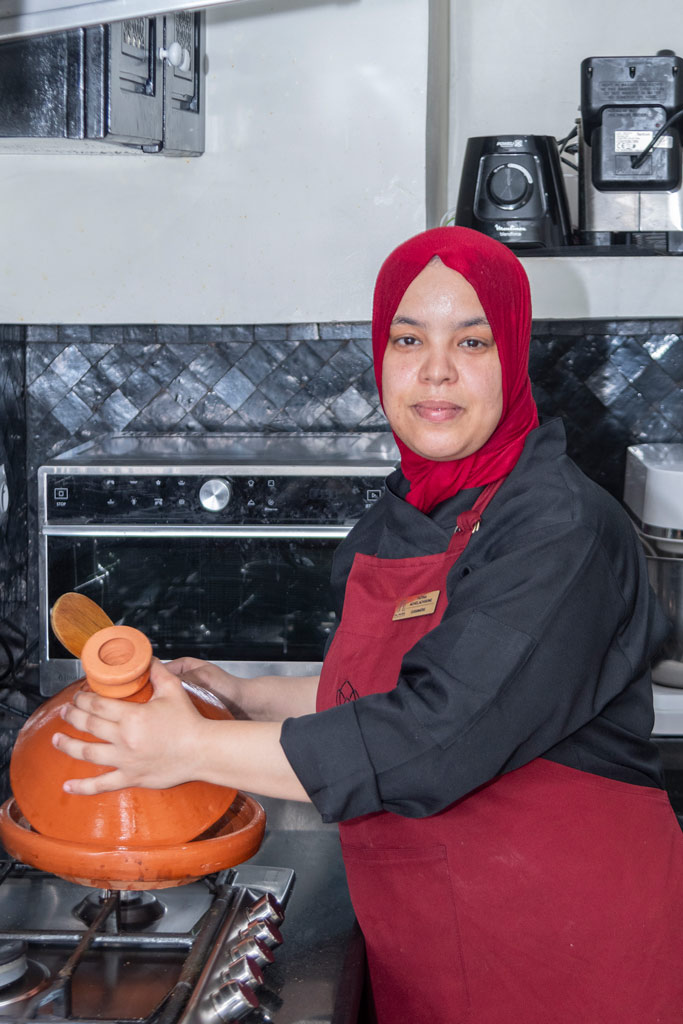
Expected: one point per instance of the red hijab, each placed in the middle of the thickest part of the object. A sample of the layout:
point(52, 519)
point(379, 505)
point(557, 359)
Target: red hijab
point(502, 287)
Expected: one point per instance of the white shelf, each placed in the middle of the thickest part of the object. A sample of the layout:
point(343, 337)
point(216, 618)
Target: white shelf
point(605, 287)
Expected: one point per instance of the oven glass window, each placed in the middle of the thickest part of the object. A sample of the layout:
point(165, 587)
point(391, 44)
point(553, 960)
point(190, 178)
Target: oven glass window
point(222, 599)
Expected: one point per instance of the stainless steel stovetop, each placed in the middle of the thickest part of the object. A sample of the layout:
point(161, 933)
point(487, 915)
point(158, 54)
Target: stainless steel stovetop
point(195, 954)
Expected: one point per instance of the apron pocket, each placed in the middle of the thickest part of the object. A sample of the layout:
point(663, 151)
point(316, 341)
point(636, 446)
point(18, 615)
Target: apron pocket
point(405, 906)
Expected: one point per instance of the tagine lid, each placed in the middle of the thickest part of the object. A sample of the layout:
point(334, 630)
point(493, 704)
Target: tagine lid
point(133, 817)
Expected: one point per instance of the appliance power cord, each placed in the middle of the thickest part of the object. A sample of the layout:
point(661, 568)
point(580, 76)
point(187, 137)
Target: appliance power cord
point(636, 161)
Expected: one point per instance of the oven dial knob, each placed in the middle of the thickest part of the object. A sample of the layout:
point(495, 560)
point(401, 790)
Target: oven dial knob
point(215, 494)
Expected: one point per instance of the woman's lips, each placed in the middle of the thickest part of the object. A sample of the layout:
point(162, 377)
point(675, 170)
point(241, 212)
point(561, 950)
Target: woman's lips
point(437, 412)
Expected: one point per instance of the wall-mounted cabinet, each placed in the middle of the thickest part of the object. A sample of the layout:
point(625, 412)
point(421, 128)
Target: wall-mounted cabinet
point(130, 85)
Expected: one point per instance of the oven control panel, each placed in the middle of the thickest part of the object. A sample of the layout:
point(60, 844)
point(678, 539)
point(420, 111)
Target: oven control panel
point(206, 498)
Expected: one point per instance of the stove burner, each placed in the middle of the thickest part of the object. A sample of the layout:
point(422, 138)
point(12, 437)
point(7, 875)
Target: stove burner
point(135, 910)
point(25, 984)
point(13, 963)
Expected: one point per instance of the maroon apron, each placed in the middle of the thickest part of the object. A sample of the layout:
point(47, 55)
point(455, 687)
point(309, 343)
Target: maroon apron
point(547, 896)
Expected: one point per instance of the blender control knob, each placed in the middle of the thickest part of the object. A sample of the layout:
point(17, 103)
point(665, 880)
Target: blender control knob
point(215, 494)
point(233, 1001)
point(509, 186)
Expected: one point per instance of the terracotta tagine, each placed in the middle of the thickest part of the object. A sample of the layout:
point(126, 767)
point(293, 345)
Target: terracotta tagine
point(130, 838)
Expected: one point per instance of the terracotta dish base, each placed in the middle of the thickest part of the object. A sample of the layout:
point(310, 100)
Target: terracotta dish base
point(232, 840)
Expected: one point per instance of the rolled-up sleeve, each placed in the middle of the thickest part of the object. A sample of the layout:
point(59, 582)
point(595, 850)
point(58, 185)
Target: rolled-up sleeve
point(337, 774)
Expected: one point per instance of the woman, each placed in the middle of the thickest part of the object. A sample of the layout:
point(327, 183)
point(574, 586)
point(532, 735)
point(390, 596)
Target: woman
point(484, 710)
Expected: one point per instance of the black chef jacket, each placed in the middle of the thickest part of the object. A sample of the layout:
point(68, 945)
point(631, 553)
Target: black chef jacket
point(543, 650)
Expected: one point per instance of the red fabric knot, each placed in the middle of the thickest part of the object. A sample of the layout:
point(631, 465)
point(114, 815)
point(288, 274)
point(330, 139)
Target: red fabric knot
point(467, 521)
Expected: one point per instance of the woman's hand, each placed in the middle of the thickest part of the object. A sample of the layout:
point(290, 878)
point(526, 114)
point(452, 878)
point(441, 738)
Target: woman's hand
point(156, 744)
point(225, 686)
point(166, 742)
point(261, 699)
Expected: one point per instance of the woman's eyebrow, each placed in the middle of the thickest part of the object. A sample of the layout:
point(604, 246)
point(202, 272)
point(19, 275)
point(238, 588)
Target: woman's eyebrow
point(475, 321)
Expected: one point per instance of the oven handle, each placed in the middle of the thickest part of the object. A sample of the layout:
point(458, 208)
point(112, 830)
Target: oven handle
point(285, 532)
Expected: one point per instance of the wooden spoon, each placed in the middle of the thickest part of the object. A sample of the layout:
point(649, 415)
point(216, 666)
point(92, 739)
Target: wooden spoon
point(74, 619)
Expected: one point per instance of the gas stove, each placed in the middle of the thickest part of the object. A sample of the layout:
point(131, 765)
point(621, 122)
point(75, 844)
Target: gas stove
point(194, 954)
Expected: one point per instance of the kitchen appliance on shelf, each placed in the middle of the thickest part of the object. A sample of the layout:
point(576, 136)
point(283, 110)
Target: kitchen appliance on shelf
point(512, 189)
point(653, 494)
point(630, 190)
point(215, 546)
point(129, 86)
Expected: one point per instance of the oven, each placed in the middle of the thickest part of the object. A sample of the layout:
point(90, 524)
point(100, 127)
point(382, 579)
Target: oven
point(216, 546)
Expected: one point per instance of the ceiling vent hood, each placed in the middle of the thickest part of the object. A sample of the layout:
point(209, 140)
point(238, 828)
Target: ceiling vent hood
point(21, 18)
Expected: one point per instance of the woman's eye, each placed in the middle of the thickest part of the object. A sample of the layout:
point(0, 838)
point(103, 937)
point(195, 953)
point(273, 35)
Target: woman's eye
point(474, 343)
point(406, 341)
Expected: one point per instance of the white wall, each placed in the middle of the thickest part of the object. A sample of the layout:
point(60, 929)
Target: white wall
point(314, 169)
point(315, 166)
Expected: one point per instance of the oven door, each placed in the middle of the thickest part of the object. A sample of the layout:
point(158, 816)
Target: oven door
point(254, 602)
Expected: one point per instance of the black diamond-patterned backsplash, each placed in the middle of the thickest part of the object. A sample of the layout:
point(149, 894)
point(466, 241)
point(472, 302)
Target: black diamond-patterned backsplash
point(13, 537)
point(615, 383)
point(84, 383)
point(13, 545)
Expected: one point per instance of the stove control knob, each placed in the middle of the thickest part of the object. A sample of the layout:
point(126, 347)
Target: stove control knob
point(232, 1001)
point(266, 908)
point(264, 931)
point(245, 970)
point(215, 494)
point(254, 949)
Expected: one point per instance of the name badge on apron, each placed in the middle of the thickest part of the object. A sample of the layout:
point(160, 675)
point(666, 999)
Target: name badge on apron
point(416, 604)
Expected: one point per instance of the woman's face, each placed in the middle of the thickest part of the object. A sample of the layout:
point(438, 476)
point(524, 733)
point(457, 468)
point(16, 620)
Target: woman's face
point(441, 375)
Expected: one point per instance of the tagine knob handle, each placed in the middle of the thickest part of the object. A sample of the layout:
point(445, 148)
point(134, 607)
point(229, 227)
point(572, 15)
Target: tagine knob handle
point(116, 661)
